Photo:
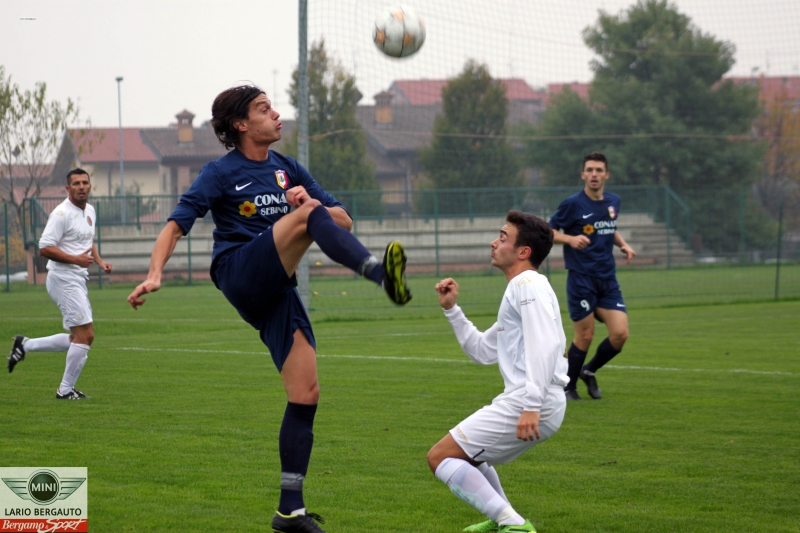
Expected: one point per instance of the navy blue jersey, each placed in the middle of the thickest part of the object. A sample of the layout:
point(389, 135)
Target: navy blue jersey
point(245, 197)
point(596, 219)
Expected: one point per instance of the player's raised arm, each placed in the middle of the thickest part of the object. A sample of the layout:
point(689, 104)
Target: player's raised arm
point(162, 251)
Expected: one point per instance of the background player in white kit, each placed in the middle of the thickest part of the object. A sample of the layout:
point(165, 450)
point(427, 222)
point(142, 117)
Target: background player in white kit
point(527, 342)
point(67, 241)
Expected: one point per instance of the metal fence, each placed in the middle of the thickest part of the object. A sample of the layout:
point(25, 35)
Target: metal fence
point(449, 230)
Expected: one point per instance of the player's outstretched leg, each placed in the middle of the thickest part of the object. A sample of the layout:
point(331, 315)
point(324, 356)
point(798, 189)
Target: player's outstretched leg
point(341, 246)
point(17, 352)
point(306, 523)
point(394, 278)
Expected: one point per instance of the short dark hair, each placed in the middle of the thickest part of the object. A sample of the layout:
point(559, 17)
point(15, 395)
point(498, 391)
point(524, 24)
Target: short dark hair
point(595, 156)
point(534, 233)
point(75, 172)
point(231, 105)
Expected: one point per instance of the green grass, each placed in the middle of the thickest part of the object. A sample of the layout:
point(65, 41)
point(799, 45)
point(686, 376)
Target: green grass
point(697, 431)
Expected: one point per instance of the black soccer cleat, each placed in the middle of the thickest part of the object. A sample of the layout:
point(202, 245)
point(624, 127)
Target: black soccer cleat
point(572, 394)
point(394, 279)
point(17, 352)
point(303, 523)
point(591, 383)
point(74, 394)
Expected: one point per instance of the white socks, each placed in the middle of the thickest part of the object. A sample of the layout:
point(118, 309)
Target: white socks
point(54, 343)
point(472, 486)
point(76, 358)
point(494, 480)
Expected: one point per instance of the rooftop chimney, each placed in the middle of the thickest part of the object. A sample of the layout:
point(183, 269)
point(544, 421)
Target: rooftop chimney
point(185, 128)
point(383, 107)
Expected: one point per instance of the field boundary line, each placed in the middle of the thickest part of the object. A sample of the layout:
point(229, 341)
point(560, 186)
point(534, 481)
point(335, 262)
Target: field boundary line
point(465, 360)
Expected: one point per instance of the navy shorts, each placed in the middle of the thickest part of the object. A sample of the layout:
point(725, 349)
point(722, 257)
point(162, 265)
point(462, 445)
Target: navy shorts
point(254, 281)
point(585, 293)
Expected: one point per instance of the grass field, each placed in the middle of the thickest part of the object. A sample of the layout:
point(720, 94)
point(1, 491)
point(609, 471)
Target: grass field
point(697, 432)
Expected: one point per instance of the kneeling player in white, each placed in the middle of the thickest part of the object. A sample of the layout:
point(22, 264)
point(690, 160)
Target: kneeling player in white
point(527, 342)
point(67, 241)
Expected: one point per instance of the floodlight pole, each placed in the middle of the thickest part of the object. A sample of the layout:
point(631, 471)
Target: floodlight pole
point(121, 158)
point(302, 128)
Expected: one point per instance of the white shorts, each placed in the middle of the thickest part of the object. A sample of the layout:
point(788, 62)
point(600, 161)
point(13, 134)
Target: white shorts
point(490, 434)
point(68, 290)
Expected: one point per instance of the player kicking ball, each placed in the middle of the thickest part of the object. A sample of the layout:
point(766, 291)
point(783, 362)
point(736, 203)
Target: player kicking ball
point(268, 210)
point(589, 223)
point(527, 343)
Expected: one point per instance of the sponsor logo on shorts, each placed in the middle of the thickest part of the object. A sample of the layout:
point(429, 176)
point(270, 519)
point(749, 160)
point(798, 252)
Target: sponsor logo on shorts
point(620, 305)
point(280, 177)
point(461, 434)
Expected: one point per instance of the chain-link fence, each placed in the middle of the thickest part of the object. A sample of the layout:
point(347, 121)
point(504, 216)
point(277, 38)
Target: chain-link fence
point(703, 238)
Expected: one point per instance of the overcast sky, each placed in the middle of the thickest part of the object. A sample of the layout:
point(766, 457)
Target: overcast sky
point(176, 54)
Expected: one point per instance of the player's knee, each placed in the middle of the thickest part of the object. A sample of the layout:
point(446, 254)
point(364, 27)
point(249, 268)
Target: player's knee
point(308, 395)
point(82, 337)
point(434, 459)
point(618, 338)
point(585, 336)
point(309, 205)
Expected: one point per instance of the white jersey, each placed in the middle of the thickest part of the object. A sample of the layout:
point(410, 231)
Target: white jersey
point(527, 341)
point(71, 230)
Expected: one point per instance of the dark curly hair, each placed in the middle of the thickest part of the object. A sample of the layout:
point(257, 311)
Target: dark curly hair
point(534, 233)
point(231, 105)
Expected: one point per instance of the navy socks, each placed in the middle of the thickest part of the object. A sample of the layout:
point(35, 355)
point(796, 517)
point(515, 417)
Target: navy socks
point(605, 353)
point(295, 442)
point(340, 245)
point(576, 357)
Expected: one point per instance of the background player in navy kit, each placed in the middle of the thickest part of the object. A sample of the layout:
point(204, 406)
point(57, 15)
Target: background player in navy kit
point(258, 245)
point(589, 223)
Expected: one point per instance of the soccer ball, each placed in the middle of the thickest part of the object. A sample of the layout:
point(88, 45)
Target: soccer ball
point(398, 32)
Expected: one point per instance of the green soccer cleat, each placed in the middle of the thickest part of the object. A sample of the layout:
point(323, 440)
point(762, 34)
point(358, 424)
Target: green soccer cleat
point(484, 527)
point(527, 527)
point(394, 279)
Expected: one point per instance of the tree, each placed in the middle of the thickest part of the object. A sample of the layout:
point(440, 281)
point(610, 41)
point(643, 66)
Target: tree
point(469, 147)
point(337, 155)
point(31, 130)
point(659, 109)
point(779, 125)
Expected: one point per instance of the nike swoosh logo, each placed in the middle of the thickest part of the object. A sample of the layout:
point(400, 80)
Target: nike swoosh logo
point(239, 188)
point(587, 216)
point(620, 305)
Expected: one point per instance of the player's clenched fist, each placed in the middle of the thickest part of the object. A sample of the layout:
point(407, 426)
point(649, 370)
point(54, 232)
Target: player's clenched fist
point(448, 292)
point(297, 196)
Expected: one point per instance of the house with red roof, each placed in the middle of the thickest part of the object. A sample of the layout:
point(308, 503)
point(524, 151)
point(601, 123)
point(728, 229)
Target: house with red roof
point(155, 160)
point(96, 150)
